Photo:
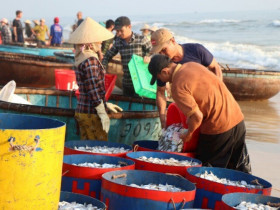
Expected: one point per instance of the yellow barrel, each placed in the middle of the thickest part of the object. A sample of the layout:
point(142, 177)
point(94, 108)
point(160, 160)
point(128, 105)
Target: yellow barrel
point(31, 154)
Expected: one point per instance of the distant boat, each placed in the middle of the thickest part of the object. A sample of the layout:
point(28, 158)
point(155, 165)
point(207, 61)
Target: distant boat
point(138, 121)
point(33, 49)
point(250, 84)
point(29, 70)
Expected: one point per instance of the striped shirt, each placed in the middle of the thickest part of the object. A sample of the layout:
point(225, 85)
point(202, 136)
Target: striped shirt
point(90, 77)
point(138, 45)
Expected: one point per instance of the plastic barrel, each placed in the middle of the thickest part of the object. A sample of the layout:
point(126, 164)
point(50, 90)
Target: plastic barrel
point(175, 115)
point(209, 193)
point(143, 165)
point(150, 145)
point(82, 199)
point(85, 180)
point(229, 201)
point(70, 145)
point(117, 195)
point(31, 151)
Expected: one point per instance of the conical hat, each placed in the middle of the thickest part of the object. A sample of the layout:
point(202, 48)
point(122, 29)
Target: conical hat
point(89, 31)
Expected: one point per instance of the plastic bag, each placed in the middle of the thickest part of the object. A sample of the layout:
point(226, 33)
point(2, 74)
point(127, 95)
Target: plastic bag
point(170, 138)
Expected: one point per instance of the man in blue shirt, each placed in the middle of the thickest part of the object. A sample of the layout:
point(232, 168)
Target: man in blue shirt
point(56, 33)
point(163, 42)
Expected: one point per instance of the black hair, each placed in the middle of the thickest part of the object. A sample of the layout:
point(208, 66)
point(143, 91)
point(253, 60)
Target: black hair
point(18, 12)
point(109, 23)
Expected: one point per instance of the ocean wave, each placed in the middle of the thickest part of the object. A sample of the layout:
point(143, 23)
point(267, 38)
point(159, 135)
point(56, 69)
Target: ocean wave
point(241, 55)
point(219, 21)
point(276, 23)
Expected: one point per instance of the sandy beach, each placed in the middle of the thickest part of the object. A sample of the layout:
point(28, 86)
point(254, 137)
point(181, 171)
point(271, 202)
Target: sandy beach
point(263, 139)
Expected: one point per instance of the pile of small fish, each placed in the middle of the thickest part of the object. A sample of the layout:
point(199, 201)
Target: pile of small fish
point(170, 138)
point(97, 165)
point(253, 206)
point(160, 187)
point(170, 161)
point(76, 206)
point(102, 149)
point(210, 176)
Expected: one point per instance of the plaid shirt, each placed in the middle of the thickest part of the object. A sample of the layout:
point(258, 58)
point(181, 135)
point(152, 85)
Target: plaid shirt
point(90, 77)
point(6, 34)
point(138, 45)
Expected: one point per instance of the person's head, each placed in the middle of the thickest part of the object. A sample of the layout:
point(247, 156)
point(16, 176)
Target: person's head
point(153, 29)
point(56, 20)
point(4, 21)
point(110, 24)
point(164, 43)
point(42, 21)
point(123, 27)
point(145, 30)
point(19, 14)
point(36, 22)
point(79, 15)
point(27, 22)
point(160, 68)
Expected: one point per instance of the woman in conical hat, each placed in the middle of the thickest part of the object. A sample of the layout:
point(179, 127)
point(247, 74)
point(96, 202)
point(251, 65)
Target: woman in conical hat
point(146, 31)
point(90, 113)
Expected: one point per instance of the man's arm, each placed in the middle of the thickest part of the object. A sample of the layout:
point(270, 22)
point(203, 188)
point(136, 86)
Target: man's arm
point(15, 32)
point(161, 105)
point(215, 68)
point(109, 54)
point(193, 121)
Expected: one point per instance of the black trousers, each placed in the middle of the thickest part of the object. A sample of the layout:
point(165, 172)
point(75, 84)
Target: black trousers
point(225, 150)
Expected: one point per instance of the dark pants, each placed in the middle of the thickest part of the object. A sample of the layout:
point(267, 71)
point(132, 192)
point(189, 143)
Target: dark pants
point(225, 150)
point(19, 38)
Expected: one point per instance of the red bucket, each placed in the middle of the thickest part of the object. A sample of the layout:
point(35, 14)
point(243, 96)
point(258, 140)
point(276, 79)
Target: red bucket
point(65, 79)
point(110, 80)
point(175, 115)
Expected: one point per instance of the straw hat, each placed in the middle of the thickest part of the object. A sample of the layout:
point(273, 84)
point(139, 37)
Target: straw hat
point(154, 28)
point(36, 22)
point(4, 20)
point(145, 27)
point(90, 31)
point(27, 21)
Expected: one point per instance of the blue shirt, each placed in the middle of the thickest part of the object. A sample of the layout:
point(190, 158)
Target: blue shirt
point(56, 33)
point(193, 53)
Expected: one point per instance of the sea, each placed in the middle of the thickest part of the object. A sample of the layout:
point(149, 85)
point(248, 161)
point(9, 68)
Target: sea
point(240, 39)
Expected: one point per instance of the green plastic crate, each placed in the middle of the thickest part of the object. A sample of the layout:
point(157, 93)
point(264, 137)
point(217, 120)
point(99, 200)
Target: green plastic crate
point(141, 77)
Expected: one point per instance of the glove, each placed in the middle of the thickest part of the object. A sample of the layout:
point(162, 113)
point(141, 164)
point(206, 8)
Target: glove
point(105, 120)
point(114, 108)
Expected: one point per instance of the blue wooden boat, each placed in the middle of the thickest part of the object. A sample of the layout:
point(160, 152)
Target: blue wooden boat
point(33, 50)
point(138, 121)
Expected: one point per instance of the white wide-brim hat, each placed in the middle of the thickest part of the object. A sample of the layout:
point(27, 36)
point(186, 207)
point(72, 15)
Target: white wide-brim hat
point(27, 21)
point(90, 31)
point(4, 20)
point(145, 27)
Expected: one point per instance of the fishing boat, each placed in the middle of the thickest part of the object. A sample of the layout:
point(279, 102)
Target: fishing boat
point(138, 121)
point(249, 84)
point(32, 49)
point(29, 70)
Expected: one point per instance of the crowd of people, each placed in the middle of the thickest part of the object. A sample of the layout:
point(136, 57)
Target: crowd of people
point(196, 77)
point(14, 32)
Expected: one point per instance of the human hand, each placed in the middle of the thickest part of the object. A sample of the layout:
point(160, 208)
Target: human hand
point(147, 59)
point(105, 120)
point(114, 108)
point(186, 136)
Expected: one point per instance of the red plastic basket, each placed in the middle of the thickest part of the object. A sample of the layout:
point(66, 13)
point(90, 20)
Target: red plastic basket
point(175, 115)
point(110, 80)
point(65, 79)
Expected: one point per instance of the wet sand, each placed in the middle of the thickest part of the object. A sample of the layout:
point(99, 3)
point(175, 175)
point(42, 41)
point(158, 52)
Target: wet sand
point(262, 119)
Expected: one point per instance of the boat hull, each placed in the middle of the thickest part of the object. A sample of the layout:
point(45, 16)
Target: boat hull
point(139, 121)
point(252, 84)
point(29, 70)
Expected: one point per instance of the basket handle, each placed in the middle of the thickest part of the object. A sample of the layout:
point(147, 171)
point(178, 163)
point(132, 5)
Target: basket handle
point(65, 172)
point(29, 149)
point(119, 176)
point(173, 203)
point(122, 163)
point(135, 148)
point(178, 175)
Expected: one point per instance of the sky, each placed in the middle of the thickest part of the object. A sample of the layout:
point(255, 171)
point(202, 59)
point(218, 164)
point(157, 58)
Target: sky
point(68, 8)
